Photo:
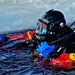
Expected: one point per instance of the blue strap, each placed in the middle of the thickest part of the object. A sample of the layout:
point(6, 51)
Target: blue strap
point(44, 31)
point(2, 38)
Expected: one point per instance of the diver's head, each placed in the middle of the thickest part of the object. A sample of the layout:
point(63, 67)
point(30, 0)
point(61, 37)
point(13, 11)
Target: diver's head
point(50, 24)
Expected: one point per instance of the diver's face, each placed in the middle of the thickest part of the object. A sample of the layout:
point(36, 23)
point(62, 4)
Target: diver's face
point(41, 28)
point(41, 31)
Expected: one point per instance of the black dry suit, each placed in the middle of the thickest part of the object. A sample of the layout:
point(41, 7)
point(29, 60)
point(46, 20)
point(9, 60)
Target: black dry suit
point(52, 28)
point(65, 44)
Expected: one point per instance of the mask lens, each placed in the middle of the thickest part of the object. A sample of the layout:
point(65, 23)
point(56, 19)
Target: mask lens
point(41, 28)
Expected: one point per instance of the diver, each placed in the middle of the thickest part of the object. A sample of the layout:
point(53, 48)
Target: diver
point(52, 36)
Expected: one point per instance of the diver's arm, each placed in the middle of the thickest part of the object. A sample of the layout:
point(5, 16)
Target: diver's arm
point(61, 46)
point(48, 50)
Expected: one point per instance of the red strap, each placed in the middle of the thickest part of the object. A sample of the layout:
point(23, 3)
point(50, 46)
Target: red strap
point(17, 36)
point(28, 35)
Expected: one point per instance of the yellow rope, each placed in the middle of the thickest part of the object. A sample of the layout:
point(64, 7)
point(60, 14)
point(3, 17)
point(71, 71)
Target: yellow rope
point(29, 36)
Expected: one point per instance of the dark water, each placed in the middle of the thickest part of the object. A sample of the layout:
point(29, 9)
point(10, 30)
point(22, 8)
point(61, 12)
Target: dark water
point(21, 62)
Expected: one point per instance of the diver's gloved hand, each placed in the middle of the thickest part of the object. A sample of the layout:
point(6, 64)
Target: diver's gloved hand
point(44, 49)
